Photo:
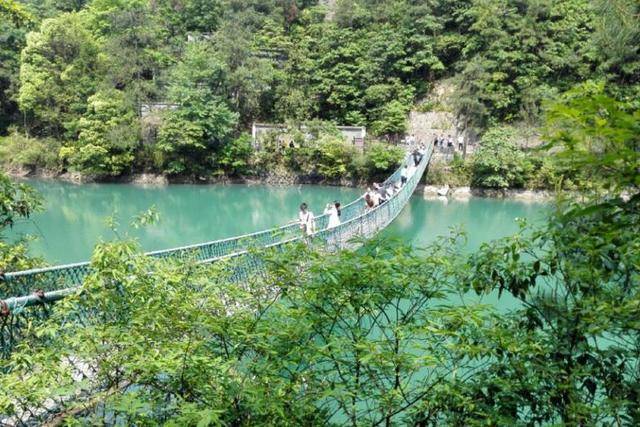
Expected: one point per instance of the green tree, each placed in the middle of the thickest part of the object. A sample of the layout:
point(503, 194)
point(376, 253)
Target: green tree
point(251, 75)
point(617, 39)
point(202, 119)
point(334, 157)
point(499, 163)
point(59, 69)
point(567, 353)
point(135, 48)
point(365, 335)
point(107, 136)
point(190, 16)
point(381, 159)
point(598, 136)
point(14, 23)
point(17, 202)
point(518, 53)
point(235, 155)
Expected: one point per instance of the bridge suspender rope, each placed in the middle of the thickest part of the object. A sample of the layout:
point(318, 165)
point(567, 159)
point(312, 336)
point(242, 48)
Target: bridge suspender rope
point(43, 286)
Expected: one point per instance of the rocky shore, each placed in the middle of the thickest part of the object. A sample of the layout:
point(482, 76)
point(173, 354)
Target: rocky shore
point(463, 193)
point(159, 179)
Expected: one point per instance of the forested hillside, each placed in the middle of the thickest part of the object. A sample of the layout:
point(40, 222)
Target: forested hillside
point(75, 75)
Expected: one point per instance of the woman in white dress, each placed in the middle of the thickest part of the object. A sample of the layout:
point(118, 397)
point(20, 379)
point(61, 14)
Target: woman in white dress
point(307, 220)
point(333, 210)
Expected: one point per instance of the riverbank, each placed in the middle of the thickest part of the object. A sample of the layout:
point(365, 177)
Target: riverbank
point(462, 193)
point(161, 180)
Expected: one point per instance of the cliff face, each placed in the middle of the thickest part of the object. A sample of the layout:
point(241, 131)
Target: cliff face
point(434, 117)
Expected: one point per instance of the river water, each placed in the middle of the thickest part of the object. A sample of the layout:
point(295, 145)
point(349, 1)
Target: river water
point(74, 219)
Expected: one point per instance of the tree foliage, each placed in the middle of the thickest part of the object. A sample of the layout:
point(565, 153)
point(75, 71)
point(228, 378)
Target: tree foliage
point(353, 62)
point(58, 72)
point(107, 136)
point(499, 162)
point(17, 202)
point(201, 120)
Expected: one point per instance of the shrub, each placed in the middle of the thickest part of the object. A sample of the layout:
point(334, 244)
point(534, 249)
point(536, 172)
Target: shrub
point(32, 153)
point(456, 174)
point(235, 155)
point(380, 159)
point(334, 157)
point(392, 119)
point(108, 135)
point(499, 163)
point(271, 154)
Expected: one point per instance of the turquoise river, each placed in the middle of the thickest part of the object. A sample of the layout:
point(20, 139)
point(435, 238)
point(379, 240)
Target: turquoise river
point(75, 216)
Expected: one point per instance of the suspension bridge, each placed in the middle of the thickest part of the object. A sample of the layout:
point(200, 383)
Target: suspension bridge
point(28, 295)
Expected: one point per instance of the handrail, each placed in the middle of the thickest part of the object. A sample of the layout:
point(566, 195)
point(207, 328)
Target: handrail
point(54, 277)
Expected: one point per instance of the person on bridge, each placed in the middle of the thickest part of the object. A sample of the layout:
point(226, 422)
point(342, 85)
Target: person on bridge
point(411, 169)
point(333, 210)
point(390, 190)
point(371, 198)
point(307, 220)
point(417, 156)
point(404, 175)
point(381, 193)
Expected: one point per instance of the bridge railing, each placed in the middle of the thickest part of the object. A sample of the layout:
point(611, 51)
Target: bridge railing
point(357, 221)
point(48, 279)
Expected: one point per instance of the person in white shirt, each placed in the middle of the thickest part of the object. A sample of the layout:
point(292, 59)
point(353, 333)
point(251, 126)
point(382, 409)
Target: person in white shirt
point(333, 210)
point(307, 220)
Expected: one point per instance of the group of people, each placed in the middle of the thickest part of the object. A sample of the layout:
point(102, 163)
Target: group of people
point(307, 220)
point(375, 196)
point(440, 141)
point(379, 194)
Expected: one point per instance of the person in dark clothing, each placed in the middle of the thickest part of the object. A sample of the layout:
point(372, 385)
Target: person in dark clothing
point(417, 157)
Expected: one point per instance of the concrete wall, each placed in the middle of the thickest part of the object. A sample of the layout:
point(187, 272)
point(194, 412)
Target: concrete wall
point(154, 107)
point(353, 134)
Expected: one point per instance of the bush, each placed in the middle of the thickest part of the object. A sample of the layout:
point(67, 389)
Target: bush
point(235, 155)
point(380, 159)
point(455, 174)
point(32, 153)
point(334, 158)
point(499, 163)
point(321, 150)
point(271, 155)
point(392, 119)
point(108, 135)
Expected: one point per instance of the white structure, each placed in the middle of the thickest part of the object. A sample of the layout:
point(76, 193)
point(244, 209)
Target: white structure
point(154, 107)
point(195, 37)
point(353, 134)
